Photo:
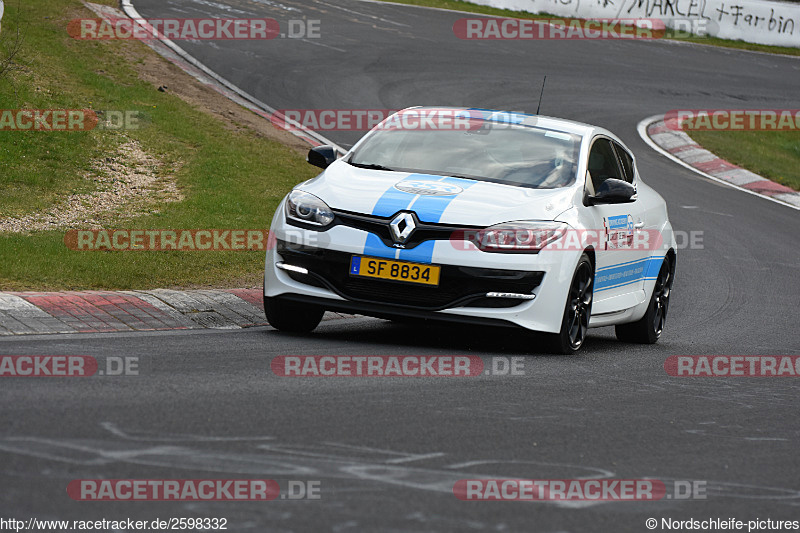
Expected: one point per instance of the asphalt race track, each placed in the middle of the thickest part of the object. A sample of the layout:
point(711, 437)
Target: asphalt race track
point(387, 451)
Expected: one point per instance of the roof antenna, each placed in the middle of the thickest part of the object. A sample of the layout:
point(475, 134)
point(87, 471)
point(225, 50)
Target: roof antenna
point(542, 94)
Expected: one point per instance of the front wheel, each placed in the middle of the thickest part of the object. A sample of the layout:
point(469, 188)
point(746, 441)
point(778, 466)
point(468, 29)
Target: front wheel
point(648, 329)
point(578, 310)
point(292, 316)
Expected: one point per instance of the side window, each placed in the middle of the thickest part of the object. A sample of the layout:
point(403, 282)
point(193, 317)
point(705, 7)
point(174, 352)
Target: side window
point(627, 162)
point(603, 162)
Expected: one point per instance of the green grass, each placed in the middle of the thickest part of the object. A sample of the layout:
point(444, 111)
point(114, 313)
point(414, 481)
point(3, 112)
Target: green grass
point(460, 5)
point(772, 154)
point(229, 179)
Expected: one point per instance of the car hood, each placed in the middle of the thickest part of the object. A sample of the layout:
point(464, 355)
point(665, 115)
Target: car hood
point(435, 199)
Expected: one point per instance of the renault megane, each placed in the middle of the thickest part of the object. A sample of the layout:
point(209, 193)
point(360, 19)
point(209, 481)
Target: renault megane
point(476, 216)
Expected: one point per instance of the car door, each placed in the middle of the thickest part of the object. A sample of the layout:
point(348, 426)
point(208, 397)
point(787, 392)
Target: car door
point(649, 222)
point(621, 261)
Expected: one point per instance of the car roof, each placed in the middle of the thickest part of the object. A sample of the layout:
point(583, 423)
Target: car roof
point(526, 119)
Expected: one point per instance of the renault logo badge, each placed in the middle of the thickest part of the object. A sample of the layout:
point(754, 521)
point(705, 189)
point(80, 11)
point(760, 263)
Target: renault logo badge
point(402, 226)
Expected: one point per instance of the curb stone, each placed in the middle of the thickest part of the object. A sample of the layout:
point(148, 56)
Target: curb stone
point(668, 139)
point(34, 313)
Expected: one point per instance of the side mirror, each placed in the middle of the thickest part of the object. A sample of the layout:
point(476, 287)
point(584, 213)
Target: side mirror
point(321, 156)
point(613, 191)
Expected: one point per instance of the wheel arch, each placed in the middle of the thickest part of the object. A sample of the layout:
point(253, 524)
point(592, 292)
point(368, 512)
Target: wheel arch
point(589, 250)
point(673, 257)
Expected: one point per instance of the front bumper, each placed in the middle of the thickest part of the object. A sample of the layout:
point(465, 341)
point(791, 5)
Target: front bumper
point(460, 286)
point(468, 274)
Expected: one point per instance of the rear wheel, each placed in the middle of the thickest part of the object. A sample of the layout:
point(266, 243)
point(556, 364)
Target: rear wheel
point(648, 329)
point(578, 310)
point(292, 316)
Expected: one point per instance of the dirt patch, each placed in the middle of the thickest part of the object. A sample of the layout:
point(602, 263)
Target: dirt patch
point(124, 185)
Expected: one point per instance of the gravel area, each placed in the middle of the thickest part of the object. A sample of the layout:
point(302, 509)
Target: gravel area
point(126, 185)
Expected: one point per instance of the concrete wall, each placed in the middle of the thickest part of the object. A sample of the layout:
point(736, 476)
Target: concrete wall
point(755, 21)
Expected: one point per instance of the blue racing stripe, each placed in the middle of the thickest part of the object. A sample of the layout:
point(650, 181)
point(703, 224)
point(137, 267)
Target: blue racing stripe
point(626, 273)
point(429, 208)
point(392, 201)
point(653, 268)
point(422, 253)
point(617, 265)
point(374, 247)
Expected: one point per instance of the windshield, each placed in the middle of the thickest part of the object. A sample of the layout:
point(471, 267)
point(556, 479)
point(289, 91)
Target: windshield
point(501, 153)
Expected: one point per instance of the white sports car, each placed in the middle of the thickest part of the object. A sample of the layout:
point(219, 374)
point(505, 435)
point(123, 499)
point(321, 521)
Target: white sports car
point(476, 216)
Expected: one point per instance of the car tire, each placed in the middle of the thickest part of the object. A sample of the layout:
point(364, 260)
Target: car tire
point(648, 329)
point(577, 311)
point(291, 316)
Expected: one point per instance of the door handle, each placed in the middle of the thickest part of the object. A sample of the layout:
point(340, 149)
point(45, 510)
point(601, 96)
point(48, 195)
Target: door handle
point(639, 225)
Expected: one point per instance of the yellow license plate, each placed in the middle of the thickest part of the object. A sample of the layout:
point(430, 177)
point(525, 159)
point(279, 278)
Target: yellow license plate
point(372, 267)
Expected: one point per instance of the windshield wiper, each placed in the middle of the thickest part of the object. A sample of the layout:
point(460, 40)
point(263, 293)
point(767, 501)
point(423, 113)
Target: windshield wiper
point(371, 166)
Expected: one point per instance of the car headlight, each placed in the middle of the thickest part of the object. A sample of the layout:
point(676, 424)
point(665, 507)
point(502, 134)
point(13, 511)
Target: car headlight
point(306, 208)
point(518, 237)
